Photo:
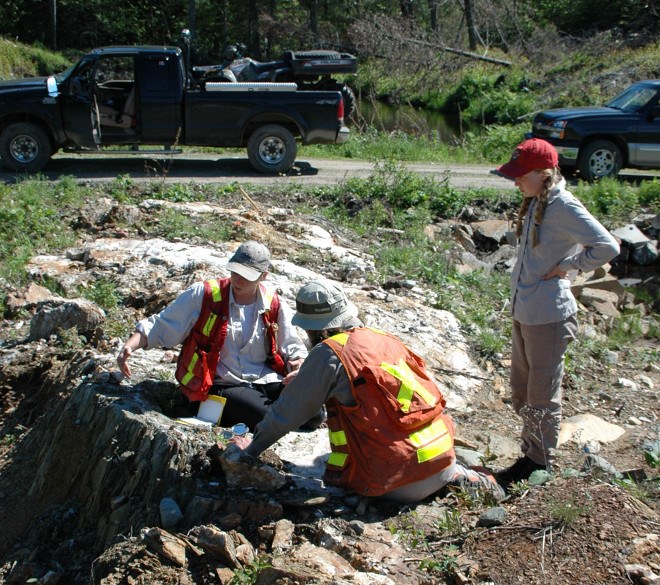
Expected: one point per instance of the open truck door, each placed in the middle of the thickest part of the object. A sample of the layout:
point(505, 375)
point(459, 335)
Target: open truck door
point(80, 110)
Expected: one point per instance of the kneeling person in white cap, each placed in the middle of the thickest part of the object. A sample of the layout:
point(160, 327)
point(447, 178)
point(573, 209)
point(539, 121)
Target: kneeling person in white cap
point(389, 433)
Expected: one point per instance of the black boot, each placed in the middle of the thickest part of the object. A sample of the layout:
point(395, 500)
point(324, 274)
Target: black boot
point(520, 470)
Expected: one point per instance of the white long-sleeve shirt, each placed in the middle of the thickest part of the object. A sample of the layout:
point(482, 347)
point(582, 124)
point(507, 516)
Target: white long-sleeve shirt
point(243, 355)
point(568, 236)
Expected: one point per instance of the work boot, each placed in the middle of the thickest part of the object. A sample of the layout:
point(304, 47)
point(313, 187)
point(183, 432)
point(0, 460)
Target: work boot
point(520, 470)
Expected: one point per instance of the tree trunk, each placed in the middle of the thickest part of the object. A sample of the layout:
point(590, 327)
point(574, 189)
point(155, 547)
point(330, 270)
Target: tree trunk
point(314, 19)
point(191, 17)
point(433, 14)
point(253, 29)
point(469, 23)
point(52, 5)
point(406, 8)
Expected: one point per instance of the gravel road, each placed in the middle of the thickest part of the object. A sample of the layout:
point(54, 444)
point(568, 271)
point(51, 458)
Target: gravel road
point(221, 168)
point(225, 168)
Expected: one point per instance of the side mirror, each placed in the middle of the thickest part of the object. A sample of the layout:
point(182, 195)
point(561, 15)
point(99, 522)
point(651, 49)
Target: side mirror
point(656, 112)
point(51, 86)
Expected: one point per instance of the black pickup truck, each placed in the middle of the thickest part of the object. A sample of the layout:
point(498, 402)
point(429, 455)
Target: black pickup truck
point(119, 99)
point(600, 141)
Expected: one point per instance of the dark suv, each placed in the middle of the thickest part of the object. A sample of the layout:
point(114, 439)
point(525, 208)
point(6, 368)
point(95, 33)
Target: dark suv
point(599, 141)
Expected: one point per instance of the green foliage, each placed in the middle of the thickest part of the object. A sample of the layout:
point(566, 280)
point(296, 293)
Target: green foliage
point(31, 223)
point(566, 512)
point(610, 197)
point(446, 564)
point(18, 60)
point(249, 574)
point(118, 323)
point(487, 98)
point(641, 491)
point(648, 194)
point(652, 458)
point(103, 292)
point(625, 328)
point(70, 340)
point(499, 141)
point(578, 16)
point(7, 440)
point(451, 522)
point(172, 223)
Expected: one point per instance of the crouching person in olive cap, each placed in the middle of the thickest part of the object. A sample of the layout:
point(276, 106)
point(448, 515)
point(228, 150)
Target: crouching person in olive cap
point(389, 433)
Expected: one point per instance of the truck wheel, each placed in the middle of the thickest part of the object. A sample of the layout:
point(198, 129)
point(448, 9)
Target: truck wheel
point(24, 147)
point(346, 93)
point(600, 158)
point(272, 149)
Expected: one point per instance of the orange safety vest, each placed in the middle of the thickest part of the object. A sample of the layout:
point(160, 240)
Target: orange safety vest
point(200, 352)
point(398, 433)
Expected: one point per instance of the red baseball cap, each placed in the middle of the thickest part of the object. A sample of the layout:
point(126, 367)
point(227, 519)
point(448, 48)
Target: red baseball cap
point(528, 156)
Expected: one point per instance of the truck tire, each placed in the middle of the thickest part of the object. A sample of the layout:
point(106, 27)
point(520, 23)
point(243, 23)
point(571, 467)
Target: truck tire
point(320, 54)
point(24, 147)
point(598, 159)
point(272, 149)
point(345, 91)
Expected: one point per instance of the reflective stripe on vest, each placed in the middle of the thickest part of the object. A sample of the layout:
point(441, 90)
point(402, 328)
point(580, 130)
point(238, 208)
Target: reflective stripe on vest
point(338, 438)
point(431, 441)
point(216, 292)
point(409, 385)
point(337, 459)
point(191, 367)
point(216, 295)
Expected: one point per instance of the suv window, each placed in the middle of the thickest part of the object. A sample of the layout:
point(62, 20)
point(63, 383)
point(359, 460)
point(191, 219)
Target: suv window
point(633, 99)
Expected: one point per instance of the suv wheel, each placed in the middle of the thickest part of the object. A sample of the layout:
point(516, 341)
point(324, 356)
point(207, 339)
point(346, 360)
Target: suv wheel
point(599, 159)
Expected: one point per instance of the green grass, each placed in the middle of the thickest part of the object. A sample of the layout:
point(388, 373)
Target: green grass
point(18, 60)
point(493, 146)
point(31, 222)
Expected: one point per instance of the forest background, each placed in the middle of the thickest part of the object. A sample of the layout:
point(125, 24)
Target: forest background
point(494, 62)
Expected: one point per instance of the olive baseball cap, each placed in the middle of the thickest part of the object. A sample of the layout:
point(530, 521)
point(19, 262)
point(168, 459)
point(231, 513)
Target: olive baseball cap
point(250, 260)
point(529, 156)
point(322, 305)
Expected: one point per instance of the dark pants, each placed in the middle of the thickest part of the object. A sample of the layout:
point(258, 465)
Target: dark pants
point(249, 403)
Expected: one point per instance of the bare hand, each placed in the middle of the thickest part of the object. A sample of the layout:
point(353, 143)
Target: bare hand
point(293, 365)
point(241, 442)
point(122, 361)
point(556, 272)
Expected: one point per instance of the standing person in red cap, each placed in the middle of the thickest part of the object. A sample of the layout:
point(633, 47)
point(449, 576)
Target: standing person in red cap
point(556, 234)
point(237, 339)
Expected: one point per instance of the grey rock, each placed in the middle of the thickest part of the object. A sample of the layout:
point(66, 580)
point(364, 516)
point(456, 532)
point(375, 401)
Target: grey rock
point(492, 517)
point(595, 462)
point(243, 470)
point(170, 513)
point(539, 477)
point(468, 457)
point(84, 315)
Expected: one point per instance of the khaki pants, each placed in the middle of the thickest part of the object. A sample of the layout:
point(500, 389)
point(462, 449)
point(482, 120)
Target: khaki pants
point(537, 369)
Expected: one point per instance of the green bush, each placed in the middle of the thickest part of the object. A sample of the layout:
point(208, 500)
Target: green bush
point(18, 60)
point(648, 194)
point(609, 197)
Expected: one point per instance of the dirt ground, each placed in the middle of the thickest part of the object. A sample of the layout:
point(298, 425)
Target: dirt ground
point(586, 529)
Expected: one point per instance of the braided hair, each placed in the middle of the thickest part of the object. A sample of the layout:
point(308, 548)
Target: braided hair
point(552, 177)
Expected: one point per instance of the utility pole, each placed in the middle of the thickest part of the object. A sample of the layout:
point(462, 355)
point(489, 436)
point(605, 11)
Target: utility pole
point(191, 16)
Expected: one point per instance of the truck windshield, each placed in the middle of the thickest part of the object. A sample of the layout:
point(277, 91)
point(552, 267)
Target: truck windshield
point(60, 77)
point(633, 99)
